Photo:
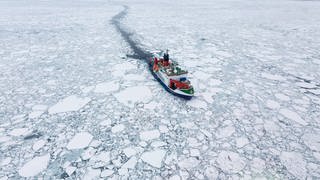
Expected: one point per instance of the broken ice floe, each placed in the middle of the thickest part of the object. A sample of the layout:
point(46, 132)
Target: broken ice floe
point(294, 163)
point(292, 116)
point(80, 140)
point(149, 135)
point(71, 103)
point(154, 158)
point(132, 95)
point(34, 166)
point(107, 87)
point(231, 162)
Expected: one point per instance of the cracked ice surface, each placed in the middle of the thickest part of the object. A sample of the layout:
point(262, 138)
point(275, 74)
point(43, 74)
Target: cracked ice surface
point(73, 105)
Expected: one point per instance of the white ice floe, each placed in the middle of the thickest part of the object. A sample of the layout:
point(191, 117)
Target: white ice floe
point(92, 174)
point(215, 82)
point(106, 122)
point(80, 140)
point(37, 111)
point(194, 152)
point(241, 141)
point(282, 97)
point(312, 140)
point(201, 75)
point(158, 143)
point(35, 166)
point(134, 77)
point(224, 132)
point(4, 139)
point(189, 125)
point(188, 163)
point(151, 105)
point(273, 77)
point(131, 163)
point(175, 177)
point(306, 85)
point(19, 132)
point(5, 161)
point(106, 173)
point(38, 144)
point(103, 156)
point(119, 70)
point(129, 151)
point(118, 128)
point(231, 162)
point(295, 164)
point(315, 91)
point(35, 114)
point(71, 103)
point(211, 172)
point(257, 165)
point(149, 135)
point(107, 87)
point(154, 158)
point(88, 153)
point(163, 129)
point(87, 89)
point(272, 104)
point(293, 116)
point(132, 95)
point(70, 170)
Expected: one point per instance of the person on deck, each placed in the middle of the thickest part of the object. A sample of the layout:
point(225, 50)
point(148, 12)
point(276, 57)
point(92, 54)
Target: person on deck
point(166, 58)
